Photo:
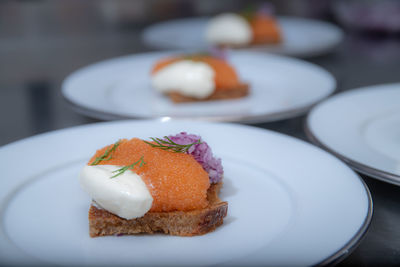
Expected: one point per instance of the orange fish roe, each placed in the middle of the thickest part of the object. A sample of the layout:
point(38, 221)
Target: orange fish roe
point(265, 29)
point(225, 75)
point(176, 181)
point(164, 62)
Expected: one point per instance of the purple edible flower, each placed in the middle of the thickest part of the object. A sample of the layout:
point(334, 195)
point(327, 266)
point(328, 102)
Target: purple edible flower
point(266, 9)
point(219, 53)
point(202, 154)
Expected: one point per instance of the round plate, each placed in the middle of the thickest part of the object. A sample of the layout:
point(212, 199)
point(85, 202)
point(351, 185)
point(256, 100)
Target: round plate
point(301, 37)
point(281, 87)
point(361, 127)
point(290, 203)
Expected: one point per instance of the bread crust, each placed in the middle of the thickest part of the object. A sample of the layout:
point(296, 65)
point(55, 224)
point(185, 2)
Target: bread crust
point(241, 90)
point(180, 223)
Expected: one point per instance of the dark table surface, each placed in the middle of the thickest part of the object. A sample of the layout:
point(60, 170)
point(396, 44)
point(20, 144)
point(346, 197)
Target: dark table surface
point(34, 63)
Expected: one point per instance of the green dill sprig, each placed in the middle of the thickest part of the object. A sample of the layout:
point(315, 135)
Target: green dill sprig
point(129, 167)
point(248, 13)
point(196, 56)
point(107, 154)
point(168, 144)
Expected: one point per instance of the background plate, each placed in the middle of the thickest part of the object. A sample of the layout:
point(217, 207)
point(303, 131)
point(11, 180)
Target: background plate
point(361, 126)
point(290, 203)
point(302, 37)
point(281, 87)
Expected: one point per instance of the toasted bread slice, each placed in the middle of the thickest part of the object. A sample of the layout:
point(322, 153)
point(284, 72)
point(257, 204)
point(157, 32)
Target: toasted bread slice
point(241, 91)
point(189, 223)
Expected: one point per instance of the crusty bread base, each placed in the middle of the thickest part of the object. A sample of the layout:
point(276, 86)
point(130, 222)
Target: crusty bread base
point(267, 40)
point(196, 222)
point(254, 43)
point(241, 91)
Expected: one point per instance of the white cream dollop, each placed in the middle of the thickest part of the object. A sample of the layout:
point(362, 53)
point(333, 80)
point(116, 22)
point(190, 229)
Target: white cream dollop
point(125, 195)
point(229, 28)
point(188, 77)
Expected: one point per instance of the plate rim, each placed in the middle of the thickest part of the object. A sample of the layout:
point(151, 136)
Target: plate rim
point(260, 118)
point(335, 258)
point(360, 167)
point(354, 242)
point(265, 118)
point(354, 164)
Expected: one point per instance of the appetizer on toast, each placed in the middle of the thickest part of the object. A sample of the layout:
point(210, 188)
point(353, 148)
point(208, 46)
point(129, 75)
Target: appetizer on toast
point(168, 185)
point(198, 77)
point(252, 27)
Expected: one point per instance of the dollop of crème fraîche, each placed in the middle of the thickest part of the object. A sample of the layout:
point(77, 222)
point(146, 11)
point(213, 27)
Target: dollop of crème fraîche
point(188, 77)
point(229, 28)
point(126, 195)
point(176, 181)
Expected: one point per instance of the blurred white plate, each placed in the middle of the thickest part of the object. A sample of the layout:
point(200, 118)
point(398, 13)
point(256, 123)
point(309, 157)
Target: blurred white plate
point(301, 37)
point(281, 87)
point(290, 203)
point(362, 127)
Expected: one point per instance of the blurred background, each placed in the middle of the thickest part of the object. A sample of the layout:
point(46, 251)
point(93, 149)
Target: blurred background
point(42, 41)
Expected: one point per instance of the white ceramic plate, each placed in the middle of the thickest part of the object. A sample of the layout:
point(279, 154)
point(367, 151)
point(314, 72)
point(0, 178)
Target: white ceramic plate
point(281, 87)
point(301, 37)
point(290, 203)
point(362, 127)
